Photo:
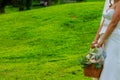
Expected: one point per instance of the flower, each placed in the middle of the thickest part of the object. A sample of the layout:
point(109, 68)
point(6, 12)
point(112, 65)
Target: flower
point(93, 57)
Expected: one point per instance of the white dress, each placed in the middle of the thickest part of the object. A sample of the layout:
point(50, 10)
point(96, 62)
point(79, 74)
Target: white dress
point(111, 69)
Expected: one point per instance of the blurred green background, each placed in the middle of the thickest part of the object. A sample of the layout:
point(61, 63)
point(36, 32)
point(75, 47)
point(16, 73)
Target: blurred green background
point(46, 43)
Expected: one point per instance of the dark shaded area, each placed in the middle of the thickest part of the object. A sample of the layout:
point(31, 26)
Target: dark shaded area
point(21, 4)
point(26, 4)
point(2, 6)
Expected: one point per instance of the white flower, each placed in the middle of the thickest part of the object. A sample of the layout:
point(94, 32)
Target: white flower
point(90, 55)
point(92, 59)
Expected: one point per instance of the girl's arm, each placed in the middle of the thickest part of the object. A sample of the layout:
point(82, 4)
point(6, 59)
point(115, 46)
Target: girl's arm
point(112, 25)
point(98, 35)
point(95, 41)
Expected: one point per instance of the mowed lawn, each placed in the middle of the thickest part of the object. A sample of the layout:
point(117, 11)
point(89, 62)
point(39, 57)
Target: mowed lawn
point(47, 43)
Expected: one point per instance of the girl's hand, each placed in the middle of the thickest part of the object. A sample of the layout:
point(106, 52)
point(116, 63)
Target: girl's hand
point(99, 44)
point(93, 45)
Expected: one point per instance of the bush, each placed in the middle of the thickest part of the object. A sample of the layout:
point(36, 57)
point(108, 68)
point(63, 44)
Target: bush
point(55, 1)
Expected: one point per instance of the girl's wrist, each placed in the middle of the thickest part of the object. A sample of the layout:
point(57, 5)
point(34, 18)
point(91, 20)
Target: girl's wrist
point(102, 42)
point(95, 41)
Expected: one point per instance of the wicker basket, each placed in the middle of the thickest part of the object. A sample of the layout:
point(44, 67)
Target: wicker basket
point(91, 71)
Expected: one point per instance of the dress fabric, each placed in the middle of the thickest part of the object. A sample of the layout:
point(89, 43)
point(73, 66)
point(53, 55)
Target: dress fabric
point(111, 68)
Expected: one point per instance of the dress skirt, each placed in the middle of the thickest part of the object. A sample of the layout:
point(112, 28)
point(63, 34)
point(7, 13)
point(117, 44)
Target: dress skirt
point(111, 68)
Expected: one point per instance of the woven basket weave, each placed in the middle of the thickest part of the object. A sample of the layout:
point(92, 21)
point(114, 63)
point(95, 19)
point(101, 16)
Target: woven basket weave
point(91, 71)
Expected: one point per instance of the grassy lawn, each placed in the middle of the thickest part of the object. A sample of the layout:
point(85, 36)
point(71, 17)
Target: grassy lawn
point(45, 44)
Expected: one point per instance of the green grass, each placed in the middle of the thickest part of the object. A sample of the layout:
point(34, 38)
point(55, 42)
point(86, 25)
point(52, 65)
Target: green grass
point(45, 44)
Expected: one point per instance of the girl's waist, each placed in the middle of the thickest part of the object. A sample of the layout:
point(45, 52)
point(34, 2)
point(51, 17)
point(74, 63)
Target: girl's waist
point(116, 30)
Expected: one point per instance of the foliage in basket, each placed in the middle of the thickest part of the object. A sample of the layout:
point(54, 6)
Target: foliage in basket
point(93, 57)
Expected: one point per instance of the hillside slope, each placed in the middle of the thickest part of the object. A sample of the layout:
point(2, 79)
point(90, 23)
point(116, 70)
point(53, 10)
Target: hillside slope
point(45, 44)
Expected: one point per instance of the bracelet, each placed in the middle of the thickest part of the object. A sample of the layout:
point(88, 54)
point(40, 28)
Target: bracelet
point(94, 42)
